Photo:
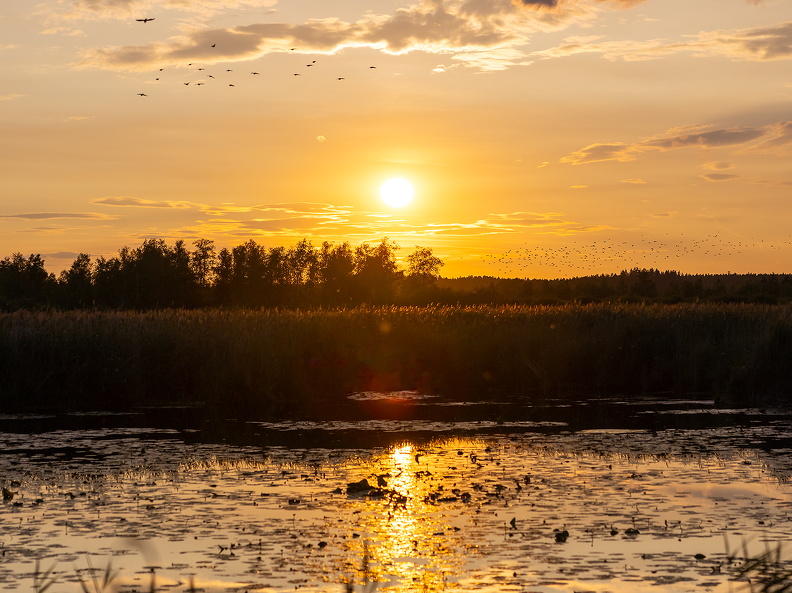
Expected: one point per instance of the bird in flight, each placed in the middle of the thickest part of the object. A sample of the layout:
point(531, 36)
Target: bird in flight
point(341, 78)
point(142, 95)
point(144, 20)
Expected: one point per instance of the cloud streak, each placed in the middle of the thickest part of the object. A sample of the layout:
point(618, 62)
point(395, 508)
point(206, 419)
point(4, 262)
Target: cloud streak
point(49, 215)
point(141, 203)
point(120, 9)
point(323, 221)
point(775, 137)
point(753, 44)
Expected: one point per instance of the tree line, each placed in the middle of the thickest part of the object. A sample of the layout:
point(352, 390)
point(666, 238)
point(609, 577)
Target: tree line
point(157, 275)
point(637, 285)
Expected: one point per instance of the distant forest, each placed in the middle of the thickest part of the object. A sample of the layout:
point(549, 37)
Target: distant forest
point(156, 275)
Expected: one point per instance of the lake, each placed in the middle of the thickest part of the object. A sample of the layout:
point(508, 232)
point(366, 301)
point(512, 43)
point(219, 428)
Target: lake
point(619, 495)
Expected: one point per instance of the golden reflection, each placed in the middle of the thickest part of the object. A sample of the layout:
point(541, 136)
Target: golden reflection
point(409, 540)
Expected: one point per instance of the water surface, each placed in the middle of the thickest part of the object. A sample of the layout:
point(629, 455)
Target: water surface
point(654, 496)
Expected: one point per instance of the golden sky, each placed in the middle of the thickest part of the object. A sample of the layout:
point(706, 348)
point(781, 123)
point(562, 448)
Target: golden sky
point(543, 138)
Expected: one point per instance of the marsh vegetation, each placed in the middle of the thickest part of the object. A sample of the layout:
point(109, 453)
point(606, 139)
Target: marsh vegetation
point(292, 361)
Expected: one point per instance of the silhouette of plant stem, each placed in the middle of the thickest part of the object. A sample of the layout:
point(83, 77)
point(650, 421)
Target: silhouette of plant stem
point(42, 580)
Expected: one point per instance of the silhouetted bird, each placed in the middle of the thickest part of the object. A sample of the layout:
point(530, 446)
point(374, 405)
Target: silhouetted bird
point(142, 95)
point(144, 20)
point(561, 536)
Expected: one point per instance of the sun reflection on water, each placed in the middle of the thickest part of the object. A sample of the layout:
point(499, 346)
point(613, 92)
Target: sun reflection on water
point(447, 514)
point(411, 545)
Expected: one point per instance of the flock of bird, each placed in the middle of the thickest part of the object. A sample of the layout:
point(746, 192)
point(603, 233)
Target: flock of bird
point(207, 78)
point(612, 256)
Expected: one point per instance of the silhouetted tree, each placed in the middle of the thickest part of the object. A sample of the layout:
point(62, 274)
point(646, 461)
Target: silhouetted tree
point(24, 283)
point(423, 270)
point(335, 267)
point(108, 283)
point(160, 274)
point(249, 277)
point(203, 263)
point(77, 283)
point(223, 271)
point(376, 271)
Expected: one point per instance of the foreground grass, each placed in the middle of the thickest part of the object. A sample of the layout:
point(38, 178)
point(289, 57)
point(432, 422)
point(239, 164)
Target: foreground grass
point(290, 360)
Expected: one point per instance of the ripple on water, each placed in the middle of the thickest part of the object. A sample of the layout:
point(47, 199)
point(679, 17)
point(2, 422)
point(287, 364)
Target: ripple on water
point(472, 513)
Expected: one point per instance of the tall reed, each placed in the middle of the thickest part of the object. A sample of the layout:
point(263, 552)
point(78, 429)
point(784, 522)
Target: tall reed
point(287, 360)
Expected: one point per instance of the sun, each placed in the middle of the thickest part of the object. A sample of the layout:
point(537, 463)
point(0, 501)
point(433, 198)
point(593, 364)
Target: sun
point(396, 192)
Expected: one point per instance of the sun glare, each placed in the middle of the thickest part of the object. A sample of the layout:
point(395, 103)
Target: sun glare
point(396, 192)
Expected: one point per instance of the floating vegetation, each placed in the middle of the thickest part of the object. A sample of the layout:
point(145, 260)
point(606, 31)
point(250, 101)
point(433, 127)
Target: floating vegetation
point(404, 395)
point(625, 511)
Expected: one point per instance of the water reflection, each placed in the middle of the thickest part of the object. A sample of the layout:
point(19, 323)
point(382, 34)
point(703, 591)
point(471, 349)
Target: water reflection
point(404, 534)
point(473, 513)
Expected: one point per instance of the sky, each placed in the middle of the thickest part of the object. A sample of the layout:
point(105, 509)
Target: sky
point(542, 138)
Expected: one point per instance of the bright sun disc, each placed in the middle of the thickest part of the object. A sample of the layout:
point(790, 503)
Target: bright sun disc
point(396, 192)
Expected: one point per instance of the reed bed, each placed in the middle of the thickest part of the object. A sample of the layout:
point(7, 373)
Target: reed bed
point(287, 361)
